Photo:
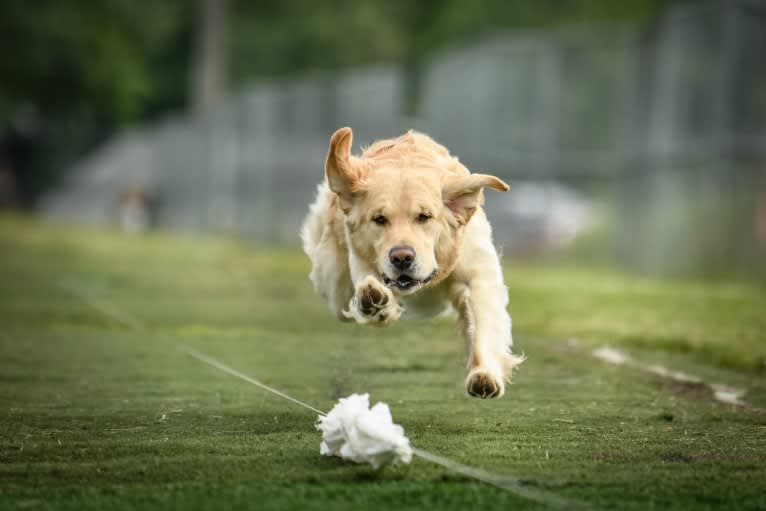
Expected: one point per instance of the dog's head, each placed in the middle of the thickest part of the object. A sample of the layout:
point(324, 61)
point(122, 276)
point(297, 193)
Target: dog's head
point(406, 202)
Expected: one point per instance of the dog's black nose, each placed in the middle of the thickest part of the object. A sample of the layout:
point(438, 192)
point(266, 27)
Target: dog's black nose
point(402, 257)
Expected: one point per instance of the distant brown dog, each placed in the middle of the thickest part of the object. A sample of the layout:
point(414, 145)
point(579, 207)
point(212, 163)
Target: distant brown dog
point(400, 230)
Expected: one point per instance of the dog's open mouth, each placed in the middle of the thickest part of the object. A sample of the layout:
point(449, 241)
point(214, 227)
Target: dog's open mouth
point(404, 281)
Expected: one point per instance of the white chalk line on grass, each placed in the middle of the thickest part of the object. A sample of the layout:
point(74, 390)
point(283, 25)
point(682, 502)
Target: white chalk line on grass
point(100, 305)
point(505, 482)
point(218, 365)
point(721, 392)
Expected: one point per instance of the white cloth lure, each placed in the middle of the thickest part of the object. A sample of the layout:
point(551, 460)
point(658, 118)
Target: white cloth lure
point(354, 431)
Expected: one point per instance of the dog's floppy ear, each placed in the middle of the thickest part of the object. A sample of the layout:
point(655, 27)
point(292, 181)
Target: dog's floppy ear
point(462, 195)
point(343, 171)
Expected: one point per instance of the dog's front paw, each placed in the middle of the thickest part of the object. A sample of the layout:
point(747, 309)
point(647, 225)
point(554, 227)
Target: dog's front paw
point(482, 383)
point(373, 303)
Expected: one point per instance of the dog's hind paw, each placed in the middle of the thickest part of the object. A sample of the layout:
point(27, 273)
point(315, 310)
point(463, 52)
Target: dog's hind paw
point(373, 303)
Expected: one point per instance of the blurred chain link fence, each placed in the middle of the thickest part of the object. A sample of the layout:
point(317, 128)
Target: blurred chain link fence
point(661, 129)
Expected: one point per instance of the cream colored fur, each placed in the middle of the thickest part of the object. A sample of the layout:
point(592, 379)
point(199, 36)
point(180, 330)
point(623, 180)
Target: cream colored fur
point(431, 203)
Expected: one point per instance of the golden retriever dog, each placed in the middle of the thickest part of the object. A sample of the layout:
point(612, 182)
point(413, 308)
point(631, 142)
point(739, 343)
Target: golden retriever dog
point(399, 232)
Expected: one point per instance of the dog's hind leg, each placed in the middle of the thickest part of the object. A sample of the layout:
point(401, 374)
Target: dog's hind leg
point(332, 279)
point(325, 246)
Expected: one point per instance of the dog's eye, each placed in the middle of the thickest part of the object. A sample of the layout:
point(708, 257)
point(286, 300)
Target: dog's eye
point(423, 218)
point(380, 220)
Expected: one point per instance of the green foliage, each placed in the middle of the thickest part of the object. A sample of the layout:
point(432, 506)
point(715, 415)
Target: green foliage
point(99, 61)
point(82, 69)
point(277, 37)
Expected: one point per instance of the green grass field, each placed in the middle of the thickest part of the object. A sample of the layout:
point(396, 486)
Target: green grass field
point(100, 413)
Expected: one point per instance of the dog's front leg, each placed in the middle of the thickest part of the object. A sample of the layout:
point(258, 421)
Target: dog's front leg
point(480, 298)
point(373, 302)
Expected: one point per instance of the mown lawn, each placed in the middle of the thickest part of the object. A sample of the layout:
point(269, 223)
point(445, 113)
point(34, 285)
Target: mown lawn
point(102, 409)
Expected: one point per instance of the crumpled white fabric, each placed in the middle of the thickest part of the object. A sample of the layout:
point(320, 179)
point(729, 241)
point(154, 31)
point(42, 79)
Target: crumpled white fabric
point(354, 431)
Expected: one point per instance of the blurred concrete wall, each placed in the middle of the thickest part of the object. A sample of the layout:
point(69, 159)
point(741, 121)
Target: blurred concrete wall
point(664, 125)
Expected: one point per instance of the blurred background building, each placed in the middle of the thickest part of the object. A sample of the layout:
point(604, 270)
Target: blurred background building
point(632, 133)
